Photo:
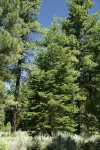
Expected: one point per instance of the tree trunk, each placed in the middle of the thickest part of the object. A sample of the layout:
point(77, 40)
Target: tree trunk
point(16, 95)
point(78, 131)
point(78, 128)
point(49, 132)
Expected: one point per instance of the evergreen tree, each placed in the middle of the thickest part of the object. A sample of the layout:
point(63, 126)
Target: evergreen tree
point(2, 104)
point(53, 91)
point(93, 104)
point(17, 20)
point(84, 27)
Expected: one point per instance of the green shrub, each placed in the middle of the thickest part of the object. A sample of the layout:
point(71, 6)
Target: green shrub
point(74, 142)
point(60, 143)
point(19, 141)
point(8, 127)
point(40, 142)
point(91, 145)
point(3, 146)
point(97, 144)
point(35, 145)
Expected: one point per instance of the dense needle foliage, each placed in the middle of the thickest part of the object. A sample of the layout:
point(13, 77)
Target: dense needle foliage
point(60, 89)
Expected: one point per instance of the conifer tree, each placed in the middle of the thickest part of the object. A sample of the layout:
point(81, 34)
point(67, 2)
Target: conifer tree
point(53, 91)
point(18, 20)
point(2, 104)
point(84, 27)
point(93, 105)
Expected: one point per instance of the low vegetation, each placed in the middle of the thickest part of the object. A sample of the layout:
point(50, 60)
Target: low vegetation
point(17, 141)
point(60, 141)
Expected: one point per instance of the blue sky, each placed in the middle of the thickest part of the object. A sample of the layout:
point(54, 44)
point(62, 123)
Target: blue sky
point(52, 8)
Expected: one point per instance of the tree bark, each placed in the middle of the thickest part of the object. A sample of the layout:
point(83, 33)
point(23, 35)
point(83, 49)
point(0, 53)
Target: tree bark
point(78, 129)
point(16, 95)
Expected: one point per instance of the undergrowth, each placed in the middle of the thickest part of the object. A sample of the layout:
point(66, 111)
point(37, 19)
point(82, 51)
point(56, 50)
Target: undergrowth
point(60, 141)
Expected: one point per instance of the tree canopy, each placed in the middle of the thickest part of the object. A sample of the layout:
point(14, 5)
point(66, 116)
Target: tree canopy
point(60, 88)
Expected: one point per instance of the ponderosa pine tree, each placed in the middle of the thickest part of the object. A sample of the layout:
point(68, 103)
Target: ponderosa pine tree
point(84, 27)
point(93, 105)
point(2, 104)
point(53, 91)
point(17, 20)
point(10, 45)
